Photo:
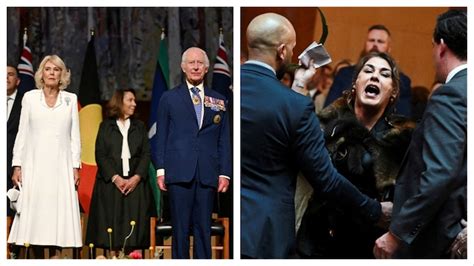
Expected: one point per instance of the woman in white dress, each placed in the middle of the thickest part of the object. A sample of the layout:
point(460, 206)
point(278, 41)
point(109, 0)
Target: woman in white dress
point(46, 161)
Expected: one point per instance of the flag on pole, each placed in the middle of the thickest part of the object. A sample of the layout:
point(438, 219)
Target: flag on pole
point(160, 85)
point(221, 81)
point(90, 117)
point(25, 67)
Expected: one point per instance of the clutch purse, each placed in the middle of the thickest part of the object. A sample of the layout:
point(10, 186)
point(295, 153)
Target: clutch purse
point(14, 195)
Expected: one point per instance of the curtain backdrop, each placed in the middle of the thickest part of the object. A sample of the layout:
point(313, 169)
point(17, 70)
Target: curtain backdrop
point(126, 40)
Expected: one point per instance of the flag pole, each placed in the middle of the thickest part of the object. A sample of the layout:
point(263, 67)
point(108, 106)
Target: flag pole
point(221, 35)
point(25, 36)
point(91, 33)
point(163, 34)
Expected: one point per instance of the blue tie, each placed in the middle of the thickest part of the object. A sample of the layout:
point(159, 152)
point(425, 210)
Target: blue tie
point(197, 104)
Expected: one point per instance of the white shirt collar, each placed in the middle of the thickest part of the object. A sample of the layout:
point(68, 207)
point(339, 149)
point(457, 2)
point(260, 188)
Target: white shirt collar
point(13, 95)
point(200, 86)
point(262, 64)
point(454, 71)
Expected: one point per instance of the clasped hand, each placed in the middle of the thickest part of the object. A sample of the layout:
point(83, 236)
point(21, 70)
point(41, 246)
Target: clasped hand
point(126, 186)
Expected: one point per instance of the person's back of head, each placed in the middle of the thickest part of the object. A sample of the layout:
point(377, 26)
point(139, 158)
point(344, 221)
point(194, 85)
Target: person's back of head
point(451, 28)
point(266, 33)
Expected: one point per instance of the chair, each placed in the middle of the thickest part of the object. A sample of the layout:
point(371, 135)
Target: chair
point(160, 228)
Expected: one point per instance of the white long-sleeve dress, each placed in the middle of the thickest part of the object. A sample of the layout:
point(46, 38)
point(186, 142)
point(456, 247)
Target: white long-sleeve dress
point(47, 148)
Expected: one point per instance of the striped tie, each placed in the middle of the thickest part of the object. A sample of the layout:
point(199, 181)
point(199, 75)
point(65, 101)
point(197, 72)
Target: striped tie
point(197, 104)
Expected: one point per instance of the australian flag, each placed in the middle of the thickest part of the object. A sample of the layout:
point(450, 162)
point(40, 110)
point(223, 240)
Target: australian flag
point(221, 80)
point(25, 68)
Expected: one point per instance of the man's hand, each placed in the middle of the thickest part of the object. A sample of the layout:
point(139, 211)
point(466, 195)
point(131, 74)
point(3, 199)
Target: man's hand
point(302, 78)
point(16, 177)
point(161, 183)
point(458, 249)
point(385, 246)
point(384, 221)
point(223, 184)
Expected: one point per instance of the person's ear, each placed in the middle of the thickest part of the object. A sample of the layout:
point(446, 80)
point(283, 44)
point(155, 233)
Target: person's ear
point(394, 93)
point(442, 47)
point(281, 52)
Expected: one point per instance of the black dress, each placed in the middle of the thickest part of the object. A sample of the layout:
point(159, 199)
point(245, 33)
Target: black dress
point(109, 207)
point(368, 159)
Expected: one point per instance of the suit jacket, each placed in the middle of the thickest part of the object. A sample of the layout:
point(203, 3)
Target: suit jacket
point(182, 148)
point(12, 129)
point(343, 81)
point(280, 135)
point(109, 149)
point(431, 190)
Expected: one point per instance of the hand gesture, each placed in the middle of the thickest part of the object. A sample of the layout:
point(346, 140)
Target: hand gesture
point(131, 184)
point(223, 184)
point(16, 177)
point(385, 246)
point(458, 249)
point(77, 178)
point(302, 78)
point(119, 182)
point(386, 216)
point(161, 183)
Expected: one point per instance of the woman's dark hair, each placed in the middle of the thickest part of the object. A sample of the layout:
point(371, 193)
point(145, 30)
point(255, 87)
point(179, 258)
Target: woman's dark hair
point(395, 72)
point(115, 104)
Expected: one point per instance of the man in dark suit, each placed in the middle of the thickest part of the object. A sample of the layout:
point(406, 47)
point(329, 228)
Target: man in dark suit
point(378, 40)
point(280, 135)
point(430, 197)
point(194, 150)
point(13, 119)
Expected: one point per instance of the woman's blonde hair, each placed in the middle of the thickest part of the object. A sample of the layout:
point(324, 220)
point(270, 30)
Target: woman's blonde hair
point(65, 78)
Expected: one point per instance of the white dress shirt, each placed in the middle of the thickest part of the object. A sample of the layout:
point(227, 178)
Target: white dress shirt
point(10, 102)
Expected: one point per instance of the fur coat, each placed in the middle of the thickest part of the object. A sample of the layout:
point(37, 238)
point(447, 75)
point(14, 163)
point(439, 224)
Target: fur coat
point(370, 160)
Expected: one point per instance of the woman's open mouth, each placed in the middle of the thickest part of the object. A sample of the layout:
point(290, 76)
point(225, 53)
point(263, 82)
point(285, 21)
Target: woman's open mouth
point(372, 90)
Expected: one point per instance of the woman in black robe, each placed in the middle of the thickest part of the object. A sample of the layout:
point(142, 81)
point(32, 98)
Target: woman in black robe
point(122, 192)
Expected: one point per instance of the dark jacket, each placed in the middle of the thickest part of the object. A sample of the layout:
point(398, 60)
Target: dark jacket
point(370, 160)
point(280, 135)
point(183, 148)
point(12, 129)
point(431, 190)
point(109, 207)
point(109, 149)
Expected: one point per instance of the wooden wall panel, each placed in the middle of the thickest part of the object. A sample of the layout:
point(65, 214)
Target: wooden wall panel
point(411, 29)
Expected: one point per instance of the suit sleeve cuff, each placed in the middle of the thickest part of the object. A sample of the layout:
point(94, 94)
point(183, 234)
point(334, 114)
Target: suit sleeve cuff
point(224, 176)
point(160, 172)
